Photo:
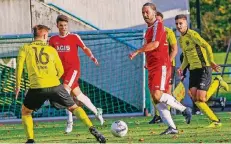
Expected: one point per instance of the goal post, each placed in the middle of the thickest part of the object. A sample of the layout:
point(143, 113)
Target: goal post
point(116, 85)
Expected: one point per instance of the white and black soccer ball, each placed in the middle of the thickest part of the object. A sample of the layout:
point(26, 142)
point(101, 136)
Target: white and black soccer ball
point(119, 128)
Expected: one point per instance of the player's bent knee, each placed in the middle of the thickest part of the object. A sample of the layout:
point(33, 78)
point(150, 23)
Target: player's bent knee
point(26, 111)
point(72, 108)
point(156, 95)
point(76, 91)
point(202, 99)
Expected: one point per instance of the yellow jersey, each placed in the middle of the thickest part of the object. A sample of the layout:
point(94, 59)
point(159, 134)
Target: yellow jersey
point(171, 38)
point(197, 52)
point(43, 65)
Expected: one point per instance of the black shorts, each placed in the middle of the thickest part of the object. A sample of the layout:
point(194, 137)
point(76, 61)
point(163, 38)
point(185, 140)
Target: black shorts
point(200, 78)
point(58, 97)
point(172, 75)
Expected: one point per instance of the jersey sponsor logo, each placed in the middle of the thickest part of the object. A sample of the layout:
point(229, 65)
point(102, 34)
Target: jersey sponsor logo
point(187, 43)
point(63, 48)
point(202, 84)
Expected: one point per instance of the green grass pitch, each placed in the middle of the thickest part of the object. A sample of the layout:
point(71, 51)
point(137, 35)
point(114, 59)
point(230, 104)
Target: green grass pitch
point(139, 131)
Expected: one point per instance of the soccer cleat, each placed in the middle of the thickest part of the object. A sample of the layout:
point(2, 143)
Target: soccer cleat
point(99, 137)
point(187, 113)
point(155, 119)
point(30, 141)
point(69, 127)
point(223, 84)
point(222, 103)
point(215, 125)
point(169, 130)
point(99, 115)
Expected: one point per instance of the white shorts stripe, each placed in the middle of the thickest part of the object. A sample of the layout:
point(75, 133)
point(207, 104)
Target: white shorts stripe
point(72, 78)
point(163, 78)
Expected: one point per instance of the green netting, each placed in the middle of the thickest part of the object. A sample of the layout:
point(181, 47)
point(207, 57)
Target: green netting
point(116, 85)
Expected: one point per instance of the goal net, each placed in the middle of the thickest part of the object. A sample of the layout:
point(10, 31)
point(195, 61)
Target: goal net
point(116, 85)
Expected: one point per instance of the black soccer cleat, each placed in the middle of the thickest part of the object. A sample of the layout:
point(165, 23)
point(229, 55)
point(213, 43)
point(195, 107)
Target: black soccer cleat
point(30, 141)
point(169, 130)
point(155, 119)
point(99, 137)
point(187, 113)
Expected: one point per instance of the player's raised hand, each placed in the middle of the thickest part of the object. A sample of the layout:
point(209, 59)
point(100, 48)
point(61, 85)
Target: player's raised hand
point(17, 90)
point(215, 67)
point(133, 54)
point(95, 60)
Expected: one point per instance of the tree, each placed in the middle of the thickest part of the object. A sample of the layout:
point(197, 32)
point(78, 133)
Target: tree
point(215, 22)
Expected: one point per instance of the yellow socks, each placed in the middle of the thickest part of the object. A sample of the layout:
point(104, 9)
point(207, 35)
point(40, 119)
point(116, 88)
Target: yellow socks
point(212, 89)
point(207, 111)
point(27, 122)
point(80, 113)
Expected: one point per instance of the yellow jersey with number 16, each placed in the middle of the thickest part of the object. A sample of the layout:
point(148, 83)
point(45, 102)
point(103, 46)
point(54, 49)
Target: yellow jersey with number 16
point(43, 65)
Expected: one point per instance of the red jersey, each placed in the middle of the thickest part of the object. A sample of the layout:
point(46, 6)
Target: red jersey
point(158, 56)
point(67, 48)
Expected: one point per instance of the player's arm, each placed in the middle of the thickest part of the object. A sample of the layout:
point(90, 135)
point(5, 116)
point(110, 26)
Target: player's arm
point(86, 50)
point(184, 63)
point(19, 68)
point(58, 64)
point(173, 45)
point(201, 42)
point(152, 45)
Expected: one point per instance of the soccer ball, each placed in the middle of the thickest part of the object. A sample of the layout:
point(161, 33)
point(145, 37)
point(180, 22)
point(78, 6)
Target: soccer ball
point(119, 128)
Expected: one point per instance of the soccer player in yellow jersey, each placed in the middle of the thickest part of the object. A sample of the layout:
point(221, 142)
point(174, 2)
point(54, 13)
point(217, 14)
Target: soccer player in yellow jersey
point(44, 70)
point(172, 42)
point(198, 54)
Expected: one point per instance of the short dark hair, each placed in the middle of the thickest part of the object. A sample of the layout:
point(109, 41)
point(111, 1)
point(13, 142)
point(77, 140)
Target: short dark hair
point(38, 28)
point(62, 18)
point(180, 16)
point(152, 5)
point(159, 14)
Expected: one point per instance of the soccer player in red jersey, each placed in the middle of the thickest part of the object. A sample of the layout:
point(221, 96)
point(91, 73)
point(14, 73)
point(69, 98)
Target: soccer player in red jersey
point(158, 62)
point(67, 45)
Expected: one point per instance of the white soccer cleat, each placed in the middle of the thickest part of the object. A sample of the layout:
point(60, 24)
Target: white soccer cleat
point(69, 127)
point(99, 115)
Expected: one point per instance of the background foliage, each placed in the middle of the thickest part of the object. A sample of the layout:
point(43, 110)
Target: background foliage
point(215, 22)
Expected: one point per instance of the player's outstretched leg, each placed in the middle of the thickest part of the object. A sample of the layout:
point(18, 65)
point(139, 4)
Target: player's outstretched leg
point(80, 113)
point(69, 125)
point(171, 101)
point(167, 119)
point(209, 113)
point(87, 102)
